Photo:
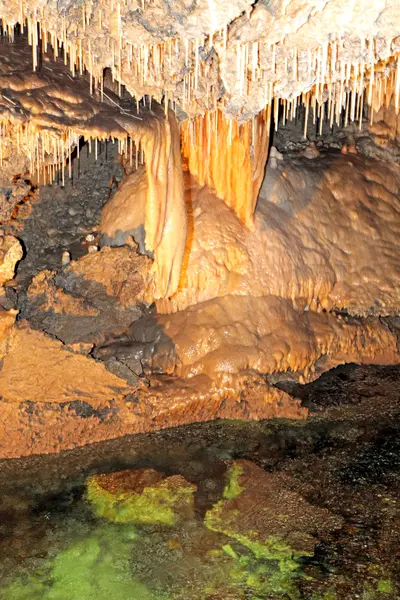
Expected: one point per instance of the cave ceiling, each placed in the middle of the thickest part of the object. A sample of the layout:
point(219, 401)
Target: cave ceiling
point(237, 55)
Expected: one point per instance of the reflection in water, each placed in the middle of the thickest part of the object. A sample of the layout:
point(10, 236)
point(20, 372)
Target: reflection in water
point(217, 511)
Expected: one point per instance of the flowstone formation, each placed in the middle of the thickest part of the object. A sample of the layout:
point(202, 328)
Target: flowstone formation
point(230, 257)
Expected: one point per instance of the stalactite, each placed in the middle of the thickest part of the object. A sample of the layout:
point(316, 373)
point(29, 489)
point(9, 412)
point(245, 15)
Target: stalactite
point(234, 166)
point(221, 154)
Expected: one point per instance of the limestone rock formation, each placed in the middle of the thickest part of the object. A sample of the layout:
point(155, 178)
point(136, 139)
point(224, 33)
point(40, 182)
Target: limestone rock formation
point(37, 368)
point(10, 254)
point(90, 299)
point(250, 273)
point(242, 53)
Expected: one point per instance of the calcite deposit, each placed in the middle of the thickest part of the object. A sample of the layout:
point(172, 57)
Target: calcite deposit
point(213, 271)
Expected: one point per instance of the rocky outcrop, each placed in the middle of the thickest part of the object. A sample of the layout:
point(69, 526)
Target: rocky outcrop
point(261, 512)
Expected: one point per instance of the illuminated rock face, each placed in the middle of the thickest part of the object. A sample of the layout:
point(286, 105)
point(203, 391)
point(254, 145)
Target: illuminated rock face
point(240, 52)
point(43, 116)
point(248, 62)
point(324, 237)
point(247, 268)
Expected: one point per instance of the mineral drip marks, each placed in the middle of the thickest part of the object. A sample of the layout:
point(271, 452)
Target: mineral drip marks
point(237, 57)
point(228, 157)
point(43, 115)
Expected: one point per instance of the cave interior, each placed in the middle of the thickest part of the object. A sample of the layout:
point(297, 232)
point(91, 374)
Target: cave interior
point(199, 220)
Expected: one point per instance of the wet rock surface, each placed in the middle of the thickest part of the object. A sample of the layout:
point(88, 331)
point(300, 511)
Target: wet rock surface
point(260, 509)
point(326, 490)
point(141, 496)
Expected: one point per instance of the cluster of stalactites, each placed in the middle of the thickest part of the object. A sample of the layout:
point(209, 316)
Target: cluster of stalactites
point(228, 157)
point(190, 71)
point(49, 152)
point(227, 154)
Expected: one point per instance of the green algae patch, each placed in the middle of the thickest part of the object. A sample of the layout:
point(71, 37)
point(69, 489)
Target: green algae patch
point(269, 528)
point(268, 568)
point(96, 567)
point(385, 586)
point(272, 548)
point(262, 577)
point(232, 488)
point(140, 497)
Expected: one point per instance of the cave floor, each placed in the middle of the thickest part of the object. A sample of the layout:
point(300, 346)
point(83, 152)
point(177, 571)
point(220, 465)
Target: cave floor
point(59, 218)
point(344, 459)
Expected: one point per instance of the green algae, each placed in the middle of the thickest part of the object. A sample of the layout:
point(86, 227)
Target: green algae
point(263, 577)
point(232, 488)
point(271, 568)
point(273, 548)
point(385, 586)
point(268, 568)
point(162, 504)
point(96, 567)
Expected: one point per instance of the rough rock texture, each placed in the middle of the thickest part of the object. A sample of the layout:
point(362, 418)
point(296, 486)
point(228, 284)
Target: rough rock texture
point(325, 235)
point(56, 219)
point(260, 510)
point(44, 114)
point(91, 298)
point(240, 305)
point(37, 368)
point(7, 320)
point(142, 496)
point(11, 253)
point(33, 427)
point(247, 53)
point(231, 334)
point(13, 190)
point(122, 216)
point(377, 139)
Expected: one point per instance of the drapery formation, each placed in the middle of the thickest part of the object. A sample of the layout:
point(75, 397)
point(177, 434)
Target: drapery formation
point(229, 157)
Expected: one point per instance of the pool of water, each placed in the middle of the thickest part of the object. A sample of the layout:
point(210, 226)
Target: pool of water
point(296, 510)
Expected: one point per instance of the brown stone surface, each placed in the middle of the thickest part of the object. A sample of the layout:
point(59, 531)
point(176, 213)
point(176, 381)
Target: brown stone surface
point(129, 480)
point(267, 506)
point(34, 102)
point(226, 336)
point(325, 236)
point(37, 368)
point(121, 273)
point(31, 427)
point(90, 299)
point(7, 320)
point(10, 253)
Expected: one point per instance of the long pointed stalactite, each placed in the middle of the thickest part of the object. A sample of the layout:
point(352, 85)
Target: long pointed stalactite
point(229, 157)
point(44, 115)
